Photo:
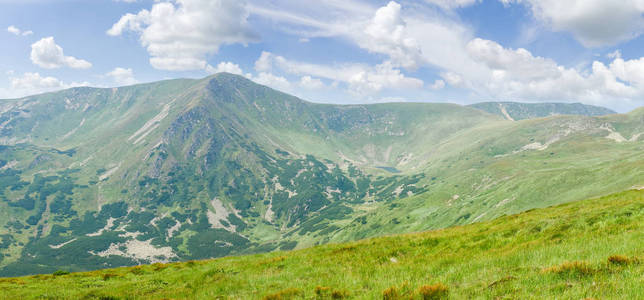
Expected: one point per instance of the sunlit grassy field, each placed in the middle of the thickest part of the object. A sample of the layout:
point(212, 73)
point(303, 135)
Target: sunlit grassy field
point(584, 249)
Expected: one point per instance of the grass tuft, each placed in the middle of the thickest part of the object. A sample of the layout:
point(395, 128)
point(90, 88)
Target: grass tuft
point(390, 294)
point(290, 293)
point(60, 273)
point(138, 270)
point(622, 260)
point(575, 268)
point(434, 291)
point(159, 267)
point(325, 292)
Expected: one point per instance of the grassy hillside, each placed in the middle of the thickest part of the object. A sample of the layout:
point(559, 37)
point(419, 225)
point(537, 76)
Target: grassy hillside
point(192, 169)
point(584, 249)
point(520, 111)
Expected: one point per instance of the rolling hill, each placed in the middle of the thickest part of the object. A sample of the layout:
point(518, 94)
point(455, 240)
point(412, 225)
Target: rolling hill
point(192, 169)
point(584, 249)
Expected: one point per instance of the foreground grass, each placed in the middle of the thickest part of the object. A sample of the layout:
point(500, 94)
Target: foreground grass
point(586, 249)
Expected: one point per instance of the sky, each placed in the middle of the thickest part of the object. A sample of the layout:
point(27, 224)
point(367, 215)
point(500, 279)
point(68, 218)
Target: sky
point(336, 51)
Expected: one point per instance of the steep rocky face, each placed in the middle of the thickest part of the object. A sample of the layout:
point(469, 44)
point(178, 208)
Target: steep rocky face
point(188, 169)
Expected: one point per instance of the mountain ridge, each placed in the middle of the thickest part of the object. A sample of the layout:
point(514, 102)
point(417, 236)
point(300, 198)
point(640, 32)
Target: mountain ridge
point(190, 169)
point(516, 111)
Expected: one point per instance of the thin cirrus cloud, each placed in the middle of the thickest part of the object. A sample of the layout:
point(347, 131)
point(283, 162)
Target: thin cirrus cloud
point(47, 54)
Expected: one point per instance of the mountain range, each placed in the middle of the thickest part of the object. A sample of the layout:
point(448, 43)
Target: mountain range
point(190, 169)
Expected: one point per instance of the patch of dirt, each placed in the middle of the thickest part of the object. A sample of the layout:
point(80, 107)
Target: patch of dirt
point(61, 245)
point(221, 213)
point(139, 250)
point(150, 125)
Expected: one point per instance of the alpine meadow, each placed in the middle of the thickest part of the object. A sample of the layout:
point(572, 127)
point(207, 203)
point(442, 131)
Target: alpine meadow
point(378, 150)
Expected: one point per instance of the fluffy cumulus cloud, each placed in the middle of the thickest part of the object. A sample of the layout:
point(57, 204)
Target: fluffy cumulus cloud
point(272, 80)
point(517, 74)
point(227, 67)
point(122, 76)
point(17, 31)
point(387, 33)
point(311, 83)
point(33, 83)
point(46, 54)
point(180, 34)
point(592, 22)
point(408, 40)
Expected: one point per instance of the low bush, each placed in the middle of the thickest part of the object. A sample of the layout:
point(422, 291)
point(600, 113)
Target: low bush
point(434, 291)
point(622, 260)
point(290, 293)
point(575, 268)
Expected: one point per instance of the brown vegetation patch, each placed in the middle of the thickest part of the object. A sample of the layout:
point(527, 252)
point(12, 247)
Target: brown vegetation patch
point(622, 260)
point(290, 293)
point(576, 268)
point(390, 294)
point(324, 292)
point(434, 291)
point(12, 281)
point(138, 270)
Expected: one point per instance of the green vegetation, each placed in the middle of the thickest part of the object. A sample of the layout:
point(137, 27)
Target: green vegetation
point(584, 249)
point(521, 111)
point(191, 169)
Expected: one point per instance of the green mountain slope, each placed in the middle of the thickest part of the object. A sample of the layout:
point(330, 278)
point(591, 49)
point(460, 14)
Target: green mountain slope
point(584, 249)
point(192, 169)
point(515, 111)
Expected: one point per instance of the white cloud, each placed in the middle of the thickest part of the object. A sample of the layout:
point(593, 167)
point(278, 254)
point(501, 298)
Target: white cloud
point(45, 53)
point(517, 74)
point(409, 38)
point(437, 85)
point(271, 80)
point(450, 4)
point(592, 22)
point(614, 54)
point(361, 79)
point(34, 83)
point(180, 34)
point(387, 34)
point(15, 30)
point(122, 76)
point(311, 83)
point(265, 62)
point(227, 67)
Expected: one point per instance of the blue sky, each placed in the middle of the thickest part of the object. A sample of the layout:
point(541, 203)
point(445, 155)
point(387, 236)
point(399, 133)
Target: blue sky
point(334, 51)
